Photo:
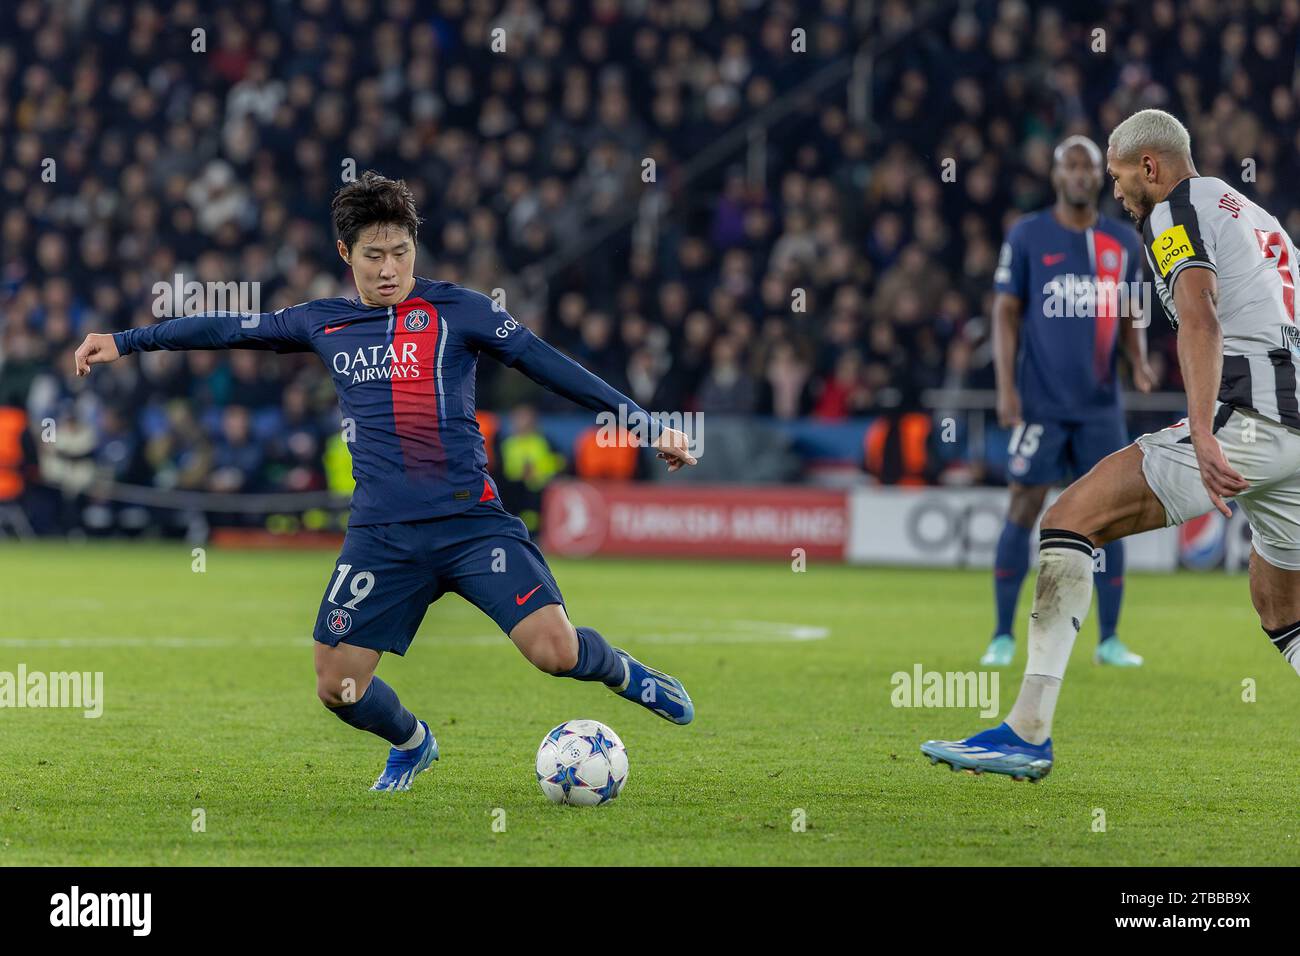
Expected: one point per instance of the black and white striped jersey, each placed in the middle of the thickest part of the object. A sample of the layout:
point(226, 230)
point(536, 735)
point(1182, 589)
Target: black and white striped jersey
point(1205, 223)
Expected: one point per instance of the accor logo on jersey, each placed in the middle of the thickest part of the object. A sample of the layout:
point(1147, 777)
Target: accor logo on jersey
point(397, 360)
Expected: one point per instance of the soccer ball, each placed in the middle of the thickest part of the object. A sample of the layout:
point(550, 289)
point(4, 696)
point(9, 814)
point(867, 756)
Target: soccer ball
point(581, 762)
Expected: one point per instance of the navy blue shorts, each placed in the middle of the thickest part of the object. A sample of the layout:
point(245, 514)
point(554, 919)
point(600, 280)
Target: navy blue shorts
point(387, 575)
point(1044, 451)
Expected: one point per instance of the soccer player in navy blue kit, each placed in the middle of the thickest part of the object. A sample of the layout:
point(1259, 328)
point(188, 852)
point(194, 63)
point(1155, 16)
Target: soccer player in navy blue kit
point(1055, 347)
point(425, 516)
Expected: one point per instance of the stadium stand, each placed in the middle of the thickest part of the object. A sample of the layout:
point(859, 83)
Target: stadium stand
point(776, 172)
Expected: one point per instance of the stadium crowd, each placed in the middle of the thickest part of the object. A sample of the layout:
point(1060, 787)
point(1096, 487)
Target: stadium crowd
point(218, 163)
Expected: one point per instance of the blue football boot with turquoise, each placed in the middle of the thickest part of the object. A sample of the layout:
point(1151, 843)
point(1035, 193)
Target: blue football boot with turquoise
point(404, 765)
point(654, 690)
point(999, 750)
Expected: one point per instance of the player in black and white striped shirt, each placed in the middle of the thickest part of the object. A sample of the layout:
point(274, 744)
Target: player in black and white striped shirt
point(1226, 272)
point(1205, 223)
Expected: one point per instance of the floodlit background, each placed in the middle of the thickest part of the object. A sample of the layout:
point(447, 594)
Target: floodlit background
point(779, 220)
point(736, 209)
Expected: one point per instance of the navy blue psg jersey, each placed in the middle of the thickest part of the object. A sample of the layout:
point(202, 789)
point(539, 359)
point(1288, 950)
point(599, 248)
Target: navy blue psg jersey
point(1069, 334)
point(405, 379)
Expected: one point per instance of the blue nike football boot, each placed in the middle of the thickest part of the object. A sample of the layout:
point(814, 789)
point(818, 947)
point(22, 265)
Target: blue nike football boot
point(403, 765)
point(999, 750)
point(654, 690)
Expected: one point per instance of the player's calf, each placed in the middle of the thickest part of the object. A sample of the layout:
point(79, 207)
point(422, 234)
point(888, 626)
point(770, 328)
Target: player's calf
point(346, 684)
point(1275, 592)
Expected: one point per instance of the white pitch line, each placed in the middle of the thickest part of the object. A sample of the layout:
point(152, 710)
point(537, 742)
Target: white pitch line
point(725, 632)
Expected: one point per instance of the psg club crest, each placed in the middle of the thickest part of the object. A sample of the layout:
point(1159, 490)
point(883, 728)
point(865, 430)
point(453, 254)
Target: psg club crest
point(339, 620)
point(1109, 260)
point(1019, 465)
point(417, 320)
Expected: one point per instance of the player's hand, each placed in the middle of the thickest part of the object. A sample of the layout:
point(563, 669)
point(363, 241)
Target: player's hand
point(1144, 377)
point(1009, 414)
point(97, 349)
point(1219, 478)
point(674, 448)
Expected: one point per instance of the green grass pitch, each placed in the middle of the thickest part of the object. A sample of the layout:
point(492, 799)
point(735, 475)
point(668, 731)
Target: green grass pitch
point(210, 704)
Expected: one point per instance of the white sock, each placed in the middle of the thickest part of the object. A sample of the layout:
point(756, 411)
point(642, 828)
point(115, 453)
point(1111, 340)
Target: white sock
point(1288, 642)
point(1031, 715)
point(1061, 600)
point(417, 738)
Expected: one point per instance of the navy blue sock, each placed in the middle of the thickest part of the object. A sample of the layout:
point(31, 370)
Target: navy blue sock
point(380, 712)
point(1110, 589)
point(596, 659)
point(1010, 565)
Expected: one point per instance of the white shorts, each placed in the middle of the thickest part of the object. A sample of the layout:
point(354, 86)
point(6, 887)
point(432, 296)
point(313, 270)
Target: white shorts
point(1263, 452)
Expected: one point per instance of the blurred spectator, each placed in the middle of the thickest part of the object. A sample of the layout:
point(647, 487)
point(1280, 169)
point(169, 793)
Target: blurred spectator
point(237, 459)
point(727, 388)
point(528, 463)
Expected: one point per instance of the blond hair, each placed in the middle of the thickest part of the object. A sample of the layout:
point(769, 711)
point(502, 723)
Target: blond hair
point(1152, 131)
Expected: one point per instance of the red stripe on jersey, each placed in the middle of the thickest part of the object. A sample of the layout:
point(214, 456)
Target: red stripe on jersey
point(488, 493)
point(1108, 264)
point(415, 393)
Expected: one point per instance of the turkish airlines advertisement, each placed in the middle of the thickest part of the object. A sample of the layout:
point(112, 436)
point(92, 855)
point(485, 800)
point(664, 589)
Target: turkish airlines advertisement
point(580, 518)
point(927, 527)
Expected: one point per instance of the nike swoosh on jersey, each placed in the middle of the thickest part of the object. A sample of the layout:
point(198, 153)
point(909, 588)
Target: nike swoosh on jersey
point(335, 328)
point(1053, 259)
point(521, 601)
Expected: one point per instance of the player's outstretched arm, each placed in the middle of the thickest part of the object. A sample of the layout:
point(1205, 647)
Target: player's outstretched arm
point(555, 371)
point(284, 330)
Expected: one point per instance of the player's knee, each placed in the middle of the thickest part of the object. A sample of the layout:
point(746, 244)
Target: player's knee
point(329, 692)
point(335, 691)
point(554, 649)
point(1026, 503)
point(1273, 614)
point(1061, 516)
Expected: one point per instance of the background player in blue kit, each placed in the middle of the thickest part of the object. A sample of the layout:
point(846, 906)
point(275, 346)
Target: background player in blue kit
point(1055, 348)
point(426, 518)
